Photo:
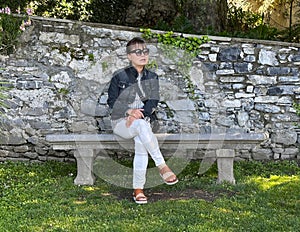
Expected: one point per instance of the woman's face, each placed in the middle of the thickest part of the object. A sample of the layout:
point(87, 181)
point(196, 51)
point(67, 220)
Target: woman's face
point(138, 55)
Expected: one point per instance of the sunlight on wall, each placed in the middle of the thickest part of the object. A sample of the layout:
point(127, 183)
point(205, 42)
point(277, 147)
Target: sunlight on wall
point(253, 5)
point(276, 13)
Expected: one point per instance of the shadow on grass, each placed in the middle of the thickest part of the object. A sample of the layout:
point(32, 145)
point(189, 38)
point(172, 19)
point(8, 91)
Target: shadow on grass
point(161, 195)
point(42, 197)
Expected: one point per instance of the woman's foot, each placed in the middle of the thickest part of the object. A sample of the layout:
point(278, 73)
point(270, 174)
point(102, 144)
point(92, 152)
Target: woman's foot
point(166, 173)
point(139, 196)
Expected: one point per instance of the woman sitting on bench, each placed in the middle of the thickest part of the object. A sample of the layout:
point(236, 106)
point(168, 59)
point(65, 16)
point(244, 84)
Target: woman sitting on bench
point(133, 96)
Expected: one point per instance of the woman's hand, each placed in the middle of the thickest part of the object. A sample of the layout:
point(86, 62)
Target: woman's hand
point(133, 114)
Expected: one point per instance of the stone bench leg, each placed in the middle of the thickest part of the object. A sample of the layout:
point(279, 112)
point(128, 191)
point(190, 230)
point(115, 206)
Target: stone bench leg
point(84, 159)
point(225, 159)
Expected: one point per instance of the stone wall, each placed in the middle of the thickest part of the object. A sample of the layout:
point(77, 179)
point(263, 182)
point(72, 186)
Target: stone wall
point(62, 68)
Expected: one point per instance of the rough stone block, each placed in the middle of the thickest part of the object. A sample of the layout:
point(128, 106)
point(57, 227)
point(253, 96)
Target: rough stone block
point(225, 159)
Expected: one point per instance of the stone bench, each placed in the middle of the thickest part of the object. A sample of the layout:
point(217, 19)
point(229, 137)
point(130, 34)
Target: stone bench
point(85, 148)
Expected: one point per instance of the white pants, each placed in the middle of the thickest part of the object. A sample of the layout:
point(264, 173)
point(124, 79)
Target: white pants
point(145, 143)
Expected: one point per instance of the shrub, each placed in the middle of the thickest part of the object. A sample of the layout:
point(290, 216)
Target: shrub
point(291, 34)
point(14, 5)
point(11, 27)
point(246, 24)
point(109, 11)
point(180, 24)
point(65, 9)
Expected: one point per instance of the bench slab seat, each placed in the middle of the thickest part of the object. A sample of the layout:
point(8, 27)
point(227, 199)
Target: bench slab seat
point(85, 148)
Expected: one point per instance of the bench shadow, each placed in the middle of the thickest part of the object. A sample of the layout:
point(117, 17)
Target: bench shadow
point(163, 195)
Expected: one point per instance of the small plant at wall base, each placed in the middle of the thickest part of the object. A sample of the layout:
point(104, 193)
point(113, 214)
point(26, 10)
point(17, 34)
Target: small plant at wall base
point(11, 27)
point(63, 91)
point(296, 106)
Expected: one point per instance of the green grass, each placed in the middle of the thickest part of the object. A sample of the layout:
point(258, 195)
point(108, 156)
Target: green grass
point(42, 197)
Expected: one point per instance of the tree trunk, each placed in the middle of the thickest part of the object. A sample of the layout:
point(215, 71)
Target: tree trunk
point(148, 13)
point(221, 15)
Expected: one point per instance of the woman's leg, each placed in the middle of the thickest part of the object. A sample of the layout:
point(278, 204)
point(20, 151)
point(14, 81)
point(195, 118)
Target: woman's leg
point(142, 130)
point(140, 163)
point(145, 142)
point(144, 133)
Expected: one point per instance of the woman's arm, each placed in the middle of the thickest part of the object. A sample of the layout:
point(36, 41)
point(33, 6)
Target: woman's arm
point(152, 89)
point(113, 92)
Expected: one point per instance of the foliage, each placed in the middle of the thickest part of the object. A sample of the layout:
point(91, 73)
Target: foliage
point(294, 28)
point(191, 44)
point(42, 197)
point(181, 49)
point(10, 30)
point(63, 91)
point(11, 27)
point(179, 24)
point(99, 11)
point(239, 19)
point(266, 169)
point(246, 24)
point(65, 9)
point(296, 106)
point(14, 5)
point(237, 22)
point(291, 35)
point(109, 11)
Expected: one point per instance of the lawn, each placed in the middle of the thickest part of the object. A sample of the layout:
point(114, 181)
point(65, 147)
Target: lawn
point(42, 197)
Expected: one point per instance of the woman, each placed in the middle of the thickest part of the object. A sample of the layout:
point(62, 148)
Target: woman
point(133, 96)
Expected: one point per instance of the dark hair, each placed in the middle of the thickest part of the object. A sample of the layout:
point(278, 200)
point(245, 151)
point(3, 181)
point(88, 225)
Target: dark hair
point(133, 41)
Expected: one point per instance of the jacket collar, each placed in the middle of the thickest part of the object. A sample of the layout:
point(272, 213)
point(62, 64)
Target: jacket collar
point(135, 72)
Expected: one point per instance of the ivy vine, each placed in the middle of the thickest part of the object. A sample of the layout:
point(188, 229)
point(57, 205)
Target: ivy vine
point(190, 47)
point(190, 44)
point(296, 106)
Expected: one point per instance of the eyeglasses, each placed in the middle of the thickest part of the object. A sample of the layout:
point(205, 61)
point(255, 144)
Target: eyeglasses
point(139, 52)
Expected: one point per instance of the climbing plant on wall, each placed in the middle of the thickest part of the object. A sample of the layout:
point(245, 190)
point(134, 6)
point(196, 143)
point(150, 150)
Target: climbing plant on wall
point(296, 106)
point(174, 44)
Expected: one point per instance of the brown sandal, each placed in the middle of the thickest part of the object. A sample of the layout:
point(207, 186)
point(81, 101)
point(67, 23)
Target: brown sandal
point(139, 196)
point(165, 173)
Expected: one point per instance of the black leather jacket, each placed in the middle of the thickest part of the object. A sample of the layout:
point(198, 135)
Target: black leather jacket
point(123, 89)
